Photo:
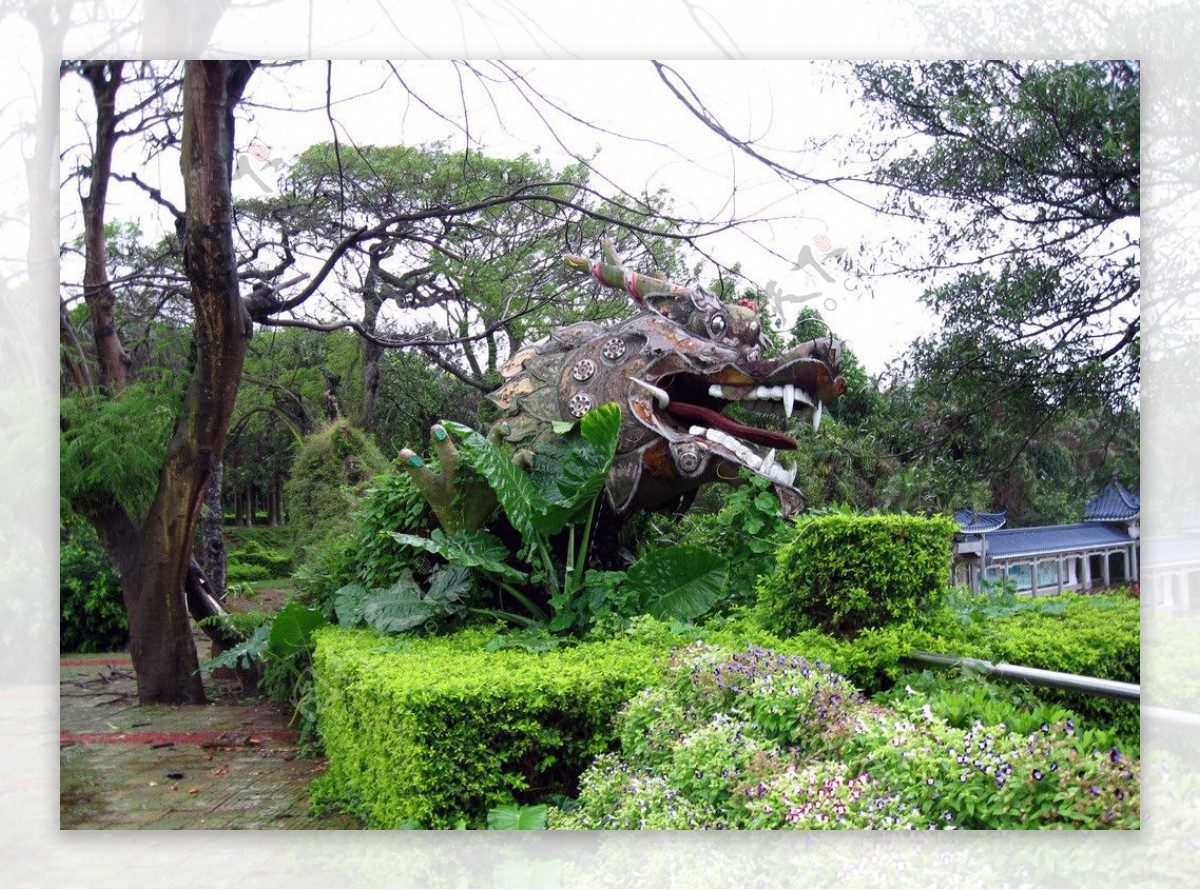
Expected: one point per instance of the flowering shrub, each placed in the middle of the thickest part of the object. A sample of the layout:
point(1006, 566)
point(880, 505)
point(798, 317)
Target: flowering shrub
point(753, 739)
point(824, 796)
point(987, 777)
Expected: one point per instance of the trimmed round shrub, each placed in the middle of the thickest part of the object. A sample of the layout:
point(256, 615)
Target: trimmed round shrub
point(843, 573)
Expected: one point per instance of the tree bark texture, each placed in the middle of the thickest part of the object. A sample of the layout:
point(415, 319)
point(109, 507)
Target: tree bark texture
point(212, 536)
point(371, 353)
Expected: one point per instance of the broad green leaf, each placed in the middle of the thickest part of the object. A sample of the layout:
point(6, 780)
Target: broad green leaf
point(679, 582)
point(399, 608)
point(291, 631)
point(601, 426)
point(478, 550)
point(244, 654)
point(514, 817)
point(449, 584)
point(570, 474)
point(515, 491)
point(346, 604)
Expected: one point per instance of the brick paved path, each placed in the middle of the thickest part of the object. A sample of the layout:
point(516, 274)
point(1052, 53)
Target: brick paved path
point(230, 764)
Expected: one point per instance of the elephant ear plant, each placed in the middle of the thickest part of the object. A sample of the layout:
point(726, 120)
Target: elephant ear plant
point(554, 494)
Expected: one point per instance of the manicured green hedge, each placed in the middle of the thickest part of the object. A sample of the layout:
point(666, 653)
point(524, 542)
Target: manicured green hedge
point(843, 573)
point(428, 731)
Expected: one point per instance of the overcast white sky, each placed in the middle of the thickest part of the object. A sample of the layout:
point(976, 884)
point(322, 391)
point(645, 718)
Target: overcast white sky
point(643, 138)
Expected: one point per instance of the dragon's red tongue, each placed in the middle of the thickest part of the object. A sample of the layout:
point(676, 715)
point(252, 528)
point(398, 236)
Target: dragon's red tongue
point(712, 419)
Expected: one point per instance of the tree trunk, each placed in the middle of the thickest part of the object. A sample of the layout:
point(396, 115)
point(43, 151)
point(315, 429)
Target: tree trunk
point(164, 653)
point(371, 353)
point(275, 502)
point(105, 79)
point(212, 535)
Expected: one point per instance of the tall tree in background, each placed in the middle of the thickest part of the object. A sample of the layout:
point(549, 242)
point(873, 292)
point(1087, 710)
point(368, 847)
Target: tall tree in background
point(1025, 178)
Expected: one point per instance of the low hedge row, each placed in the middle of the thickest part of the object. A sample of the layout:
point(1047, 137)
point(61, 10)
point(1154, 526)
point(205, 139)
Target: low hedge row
point(430, 731)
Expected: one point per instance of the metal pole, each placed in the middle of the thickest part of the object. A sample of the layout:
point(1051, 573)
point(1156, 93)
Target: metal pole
point(1037, 677)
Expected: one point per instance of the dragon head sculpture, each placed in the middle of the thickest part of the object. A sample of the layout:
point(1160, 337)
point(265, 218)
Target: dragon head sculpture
point(673, 369)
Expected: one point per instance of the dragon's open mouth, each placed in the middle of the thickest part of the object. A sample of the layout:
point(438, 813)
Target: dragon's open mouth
point(691, 404)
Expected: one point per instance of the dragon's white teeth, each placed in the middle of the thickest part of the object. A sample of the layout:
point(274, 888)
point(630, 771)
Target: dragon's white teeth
point(660, 395)
point(768, 461)
point(789, 399)
point(716, 391)
point(817, 414)
point(697, 431)
point(778, 474)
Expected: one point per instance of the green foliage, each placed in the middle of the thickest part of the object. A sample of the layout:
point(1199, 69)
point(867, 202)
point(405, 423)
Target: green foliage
point(514, 817)
point(960, 698)
point(845, 573)
point(252, 560)
point(433, 729)
point(558, 496)
point(1096, 636)
point(330, 474)
point(680, 582)
point(246, 655)
point(987, 777)
point(112, 448)
point(564, 481)
point(239, 572)
point(753, 739)
point(476, 550)
point(283, 647)
point(392, 504)
point(747, 530)
point(91, 610)
point(1035, 362)
point(404, 606)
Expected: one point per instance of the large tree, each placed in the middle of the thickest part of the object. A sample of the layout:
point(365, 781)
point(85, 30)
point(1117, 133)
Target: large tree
point(1025, 178)
point(152, 551)
point(469, 287)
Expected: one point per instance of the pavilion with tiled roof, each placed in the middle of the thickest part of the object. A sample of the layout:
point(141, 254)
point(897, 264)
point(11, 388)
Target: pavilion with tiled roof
point(1101, 551)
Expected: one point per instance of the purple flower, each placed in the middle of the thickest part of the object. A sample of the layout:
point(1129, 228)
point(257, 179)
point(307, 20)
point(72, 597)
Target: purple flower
point(1115, 755)
point(1095, 790)
point(1037, 774)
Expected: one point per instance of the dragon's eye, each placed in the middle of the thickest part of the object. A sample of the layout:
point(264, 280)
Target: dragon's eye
point(717, 325)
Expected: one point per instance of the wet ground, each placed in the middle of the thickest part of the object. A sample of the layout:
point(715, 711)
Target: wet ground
point(232, 763)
